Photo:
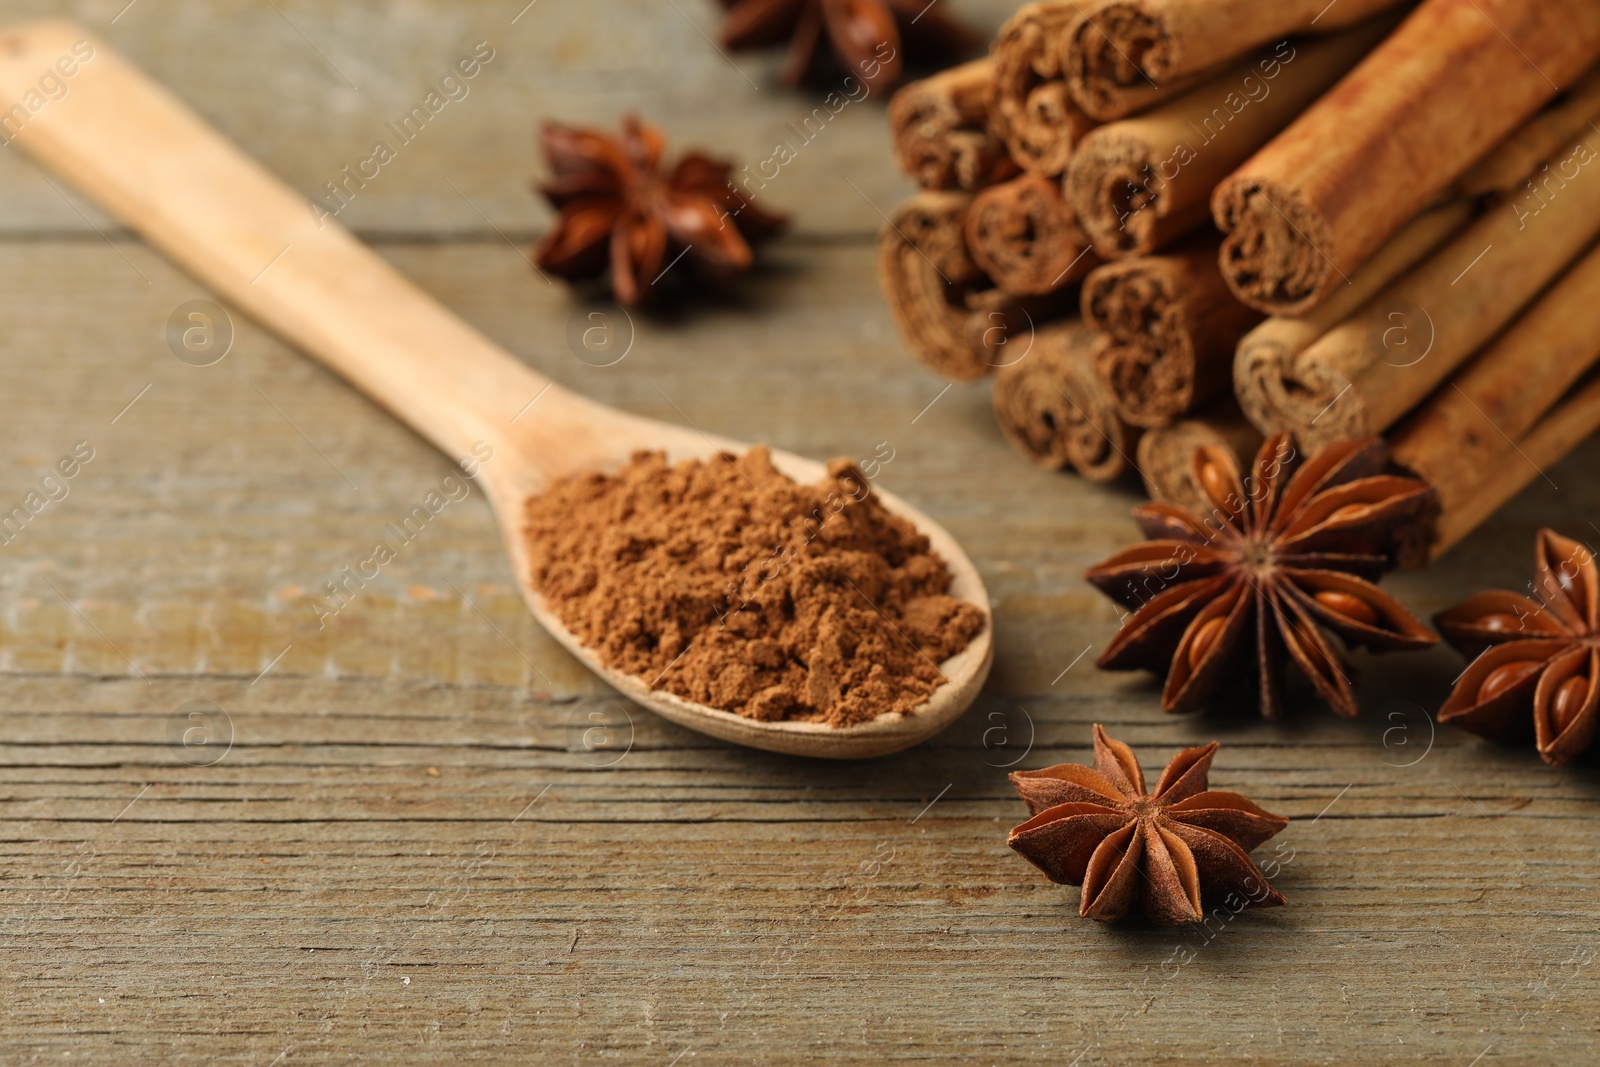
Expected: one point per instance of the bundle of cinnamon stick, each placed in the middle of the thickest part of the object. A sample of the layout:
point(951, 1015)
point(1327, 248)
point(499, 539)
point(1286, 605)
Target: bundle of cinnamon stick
point(1167, 223)
point(1043, 206)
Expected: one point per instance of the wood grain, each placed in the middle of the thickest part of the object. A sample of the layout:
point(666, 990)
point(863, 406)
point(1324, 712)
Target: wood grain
point(581, 880)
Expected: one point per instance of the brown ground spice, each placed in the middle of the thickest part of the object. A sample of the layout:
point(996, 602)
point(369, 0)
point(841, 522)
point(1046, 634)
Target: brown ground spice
point(729, 584)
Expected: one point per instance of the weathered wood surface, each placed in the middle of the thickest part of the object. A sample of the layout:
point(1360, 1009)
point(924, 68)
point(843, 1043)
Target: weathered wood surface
point(422, 830)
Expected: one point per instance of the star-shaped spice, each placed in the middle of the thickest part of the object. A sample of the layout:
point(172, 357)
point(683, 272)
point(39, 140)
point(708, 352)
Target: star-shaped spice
point(1537, 659)
point(1283, 559)
point(866, 37)
point(620, 207)
point(1172, 852)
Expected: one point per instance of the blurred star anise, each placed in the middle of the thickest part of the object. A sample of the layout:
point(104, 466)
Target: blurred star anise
point(1172, 852)
point(620, 207)
point(1282, 559)
point(867, 37)
point(1537, 659)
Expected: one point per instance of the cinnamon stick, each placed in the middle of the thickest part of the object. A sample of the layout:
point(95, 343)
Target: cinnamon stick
point(1454, 79)
point(939, 127)
point(1139, 183)
point(1053, 409)
point(1122, 54)
point(1469, 426)
point(1263, 364)
point(999, 326)
point(926, 275)
point(1372, 368)
point(1563, 428)
point(947, 310)
point(1169, 326)
point(1510, 164)
point(1032, 111)
point(1166, 454)
point(1025, 237)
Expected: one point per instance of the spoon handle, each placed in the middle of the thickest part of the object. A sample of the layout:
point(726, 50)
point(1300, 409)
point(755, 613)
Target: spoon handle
point(147, 159)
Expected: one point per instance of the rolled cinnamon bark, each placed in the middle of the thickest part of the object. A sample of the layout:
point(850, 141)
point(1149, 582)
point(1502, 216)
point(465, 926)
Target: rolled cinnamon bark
point(1139, 183)
point(939, 127)
point(1367, 372)
point(1166, 454)
point(1455, 78)
point(1563, 428)
point(1169, 326)
point(1053, 409)
point(1470, 423)
point(1032, 111)
point(926, 275)
point(947, 310)
point(1024, 236)
point(1507, 167)
point(999, 326)
point(1122, 54)
point(1263, 378)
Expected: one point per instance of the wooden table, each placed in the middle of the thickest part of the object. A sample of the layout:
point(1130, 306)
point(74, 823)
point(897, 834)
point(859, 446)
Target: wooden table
point(235, 836)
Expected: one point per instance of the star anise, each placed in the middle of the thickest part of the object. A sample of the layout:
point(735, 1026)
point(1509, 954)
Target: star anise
point(1172, 851)
point(619, 206)
point(1538, 658)
point(1283, 558)
point(866, 37)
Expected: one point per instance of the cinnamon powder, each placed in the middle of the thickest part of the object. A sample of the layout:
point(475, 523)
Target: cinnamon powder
point(729, 584)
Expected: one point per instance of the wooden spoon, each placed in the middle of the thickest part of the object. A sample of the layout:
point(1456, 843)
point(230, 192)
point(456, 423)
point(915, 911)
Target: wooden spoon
point(148, 160)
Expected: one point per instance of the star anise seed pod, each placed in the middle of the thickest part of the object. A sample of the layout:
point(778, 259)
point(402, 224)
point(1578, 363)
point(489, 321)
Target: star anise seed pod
point(1283, 559)
point(1171, 851)
point(1538, 658)
point(620, 207)
point(867, 37)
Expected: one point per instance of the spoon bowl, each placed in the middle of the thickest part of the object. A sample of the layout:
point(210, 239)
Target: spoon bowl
point(149, 161)
point(965, 671)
